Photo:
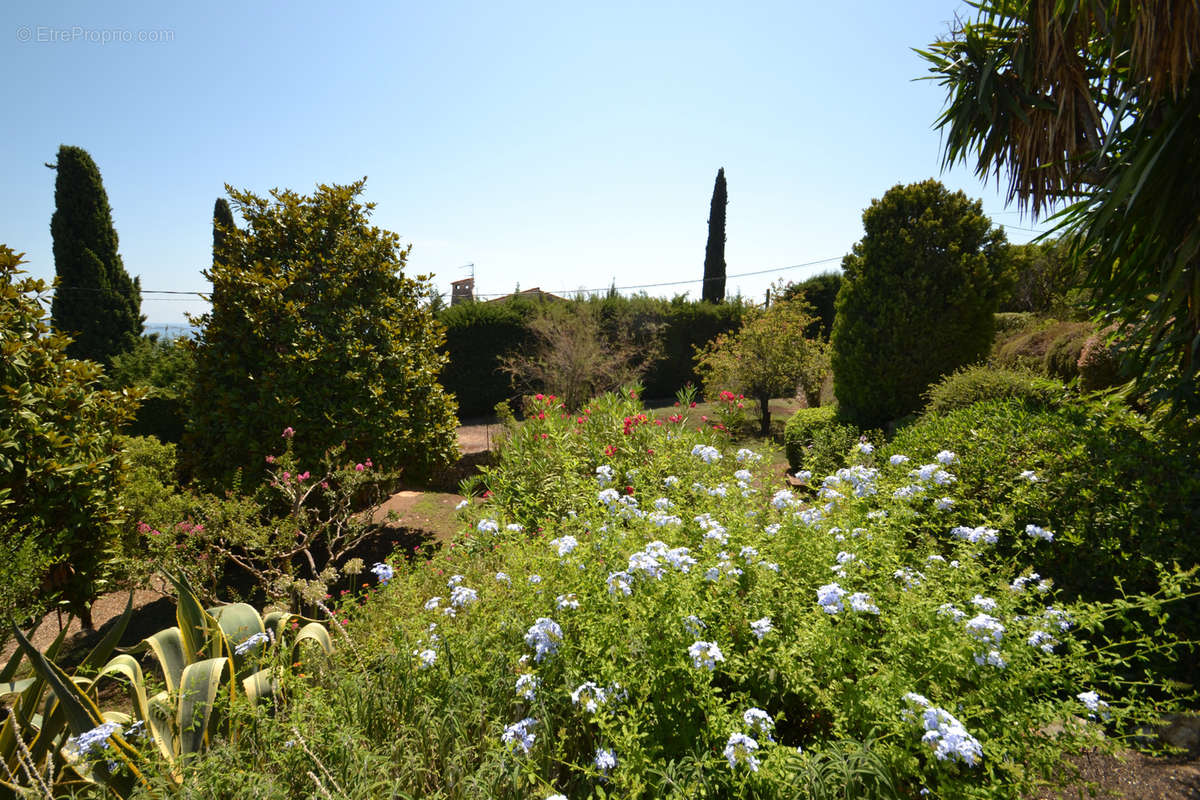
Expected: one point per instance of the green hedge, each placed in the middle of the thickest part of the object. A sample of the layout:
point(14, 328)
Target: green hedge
point(477, 334)
point(979, 383)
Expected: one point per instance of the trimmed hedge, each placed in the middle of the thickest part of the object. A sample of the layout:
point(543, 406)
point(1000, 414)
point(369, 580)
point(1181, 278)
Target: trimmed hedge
point(477, 334)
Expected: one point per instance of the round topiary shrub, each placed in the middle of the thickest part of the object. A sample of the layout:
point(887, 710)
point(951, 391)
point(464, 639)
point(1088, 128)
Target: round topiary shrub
point(1098, 365)
point(979, 383)
point(918, 297)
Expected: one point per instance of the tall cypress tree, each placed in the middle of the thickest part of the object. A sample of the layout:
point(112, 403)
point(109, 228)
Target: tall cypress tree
point(714, 252)
point(95, 299)
point(223, 224)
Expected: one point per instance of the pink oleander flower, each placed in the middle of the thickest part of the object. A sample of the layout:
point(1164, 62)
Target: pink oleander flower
point(289, 432)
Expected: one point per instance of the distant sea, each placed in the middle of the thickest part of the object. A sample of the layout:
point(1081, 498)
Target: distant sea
point(170, 330)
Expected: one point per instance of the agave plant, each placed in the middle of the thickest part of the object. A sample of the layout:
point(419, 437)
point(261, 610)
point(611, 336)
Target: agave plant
point(208, 655)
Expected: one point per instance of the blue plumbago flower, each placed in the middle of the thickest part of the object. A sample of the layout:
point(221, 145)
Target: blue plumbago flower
point(97, 736)
point(518, 735)
point(642, 561)
point(661, 520)
point(948, 738)
point(681, 559)
point(877, 514)
point(670, 481)
point(605, 759)
point(761, 627)
point(740, 749)
point(1019, 584)
point(527, 685)
point(1042, 640)
point(943, 503)
point(946, 457)
point(935, 559)
point(911, 577)
point(949, 609)
point(1029, 475)
point(1092, 702)
point(712, 574)
point(720, 490)
point(589, 696)
point(462, 504)
point(609, 497)
point(567, 601)
point(564, 544)
point(760, 722)
point(975, 535)
point(262, 637)
point(991, 658)
point(463, 596)
point(829, 597)
point(455, 580)
point(620, 582)
point(383, 572)
point(544, 636)
point(705, 655)
point(1036, 532)
point(743, 476)
point(924, 472)
point(502, 577)
point(811, 516)
point(898, 459)
point(604, 474)
point(557, 797)
point(534, 579)
point(707, 453)
point(663, 504)
point(488, 526)
point(693, 624)
point(771, 529)
point(984, 603)
point(861, 603)
point(864, 447)
point(984, 628)
point(748, 456)
point(748, 552)
point(783, 499)
point(515, 527)
point(908, 492)
point(426, 657)
point(433, 603)
point(771, 565)
point(1058, 617)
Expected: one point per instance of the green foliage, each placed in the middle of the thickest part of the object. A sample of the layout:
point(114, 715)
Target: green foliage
point(1063, 351)
point(23, 562)
point(58, 452)
point(1046, 279)
point(800, 428)
point(164, 369)
point(569, 353)
point(1030, 346)
point(685, 327)
point(209, 659)
point(223, 225)
point(820, 292)
point(980, 383)
point(770, 356)
point(917, 300)
point(1099, 363)
point(95, 300)
point(714, 250)
point(314, 325)
point(477, 335)
point(1099, 103)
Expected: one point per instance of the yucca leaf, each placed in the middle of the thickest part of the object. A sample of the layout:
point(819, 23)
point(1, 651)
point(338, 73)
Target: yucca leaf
point(196, 625)
point(168, 648)
point(260, 685)
point(312, 632)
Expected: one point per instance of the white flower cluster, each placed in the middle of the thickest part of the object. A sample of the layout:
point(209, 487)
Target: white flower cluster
point(947, 737)
point(977, 535)
point(517, 735)
point(544, 636)
point(705, 655)
point(604, 475)
point(706, 453)
point(740, 750)
point(564, 544)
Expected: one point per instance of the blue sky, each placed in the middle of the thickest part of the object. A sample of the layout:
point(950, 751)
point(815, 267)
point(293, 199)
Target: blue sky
point(559, 145)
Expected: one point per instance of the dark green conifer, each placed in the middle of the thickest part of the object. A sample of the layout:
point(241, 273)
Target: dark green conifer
point(95, 299)
point(714, 252)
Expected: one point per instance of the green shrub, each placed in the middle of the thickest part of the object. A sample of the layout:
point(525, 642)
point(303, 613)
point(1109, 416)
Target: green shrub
point(918, 296)
point(165, 369)
point(1099, 365)
point(1009, 322)
point(1062, 354)
point(978, 383)
point(799, 430)
point(1028, 347)
point(314, 325)
point(477, 335)
point(820, 292)
point(58, 450)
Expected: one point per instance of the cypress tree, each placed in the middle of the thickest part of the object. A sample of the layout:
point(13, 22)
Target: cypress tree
point(95, 299)
point(223, 224)
point(714, 252)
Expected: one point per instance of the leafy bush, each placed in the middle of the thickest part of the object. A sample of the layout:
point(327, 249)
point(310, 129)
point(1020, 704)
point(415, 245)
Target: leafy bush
point(165, 369)
point(820, 292)
point(917, 300)
point(1010, 322)
point(314, 325)
point(679, 629)
point(1099, 365)
point(978, 383)
point(800, 428)
point(1062, 354)
point(1029, 347)
point(58, 450)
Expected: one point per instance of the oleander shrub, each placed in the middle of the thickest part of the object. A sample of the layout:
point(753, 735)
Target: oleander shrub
point(980, 382)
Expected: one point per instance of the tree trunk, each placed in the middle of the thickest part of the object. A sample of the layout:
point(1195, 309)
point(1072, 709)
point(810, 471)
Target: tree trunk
point(764, 412)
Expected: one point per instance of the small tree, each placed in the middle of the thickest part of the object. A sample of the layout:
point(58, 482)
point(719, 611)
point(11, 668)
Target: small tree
point(768, 357)
point(95, 300)
point(314, 326)
point(714, 251)
point(820, 292)
point(571, 357)
point(58, 452)
point(917, 300)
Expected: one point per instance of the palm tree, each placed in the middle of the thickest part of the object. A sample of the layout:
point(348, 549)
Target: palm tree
point(1093, 108)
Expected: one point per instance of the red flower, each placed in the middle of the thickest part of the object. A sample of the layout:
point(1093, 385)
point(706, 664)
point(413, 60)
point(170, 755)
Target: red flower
point(628, 490)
